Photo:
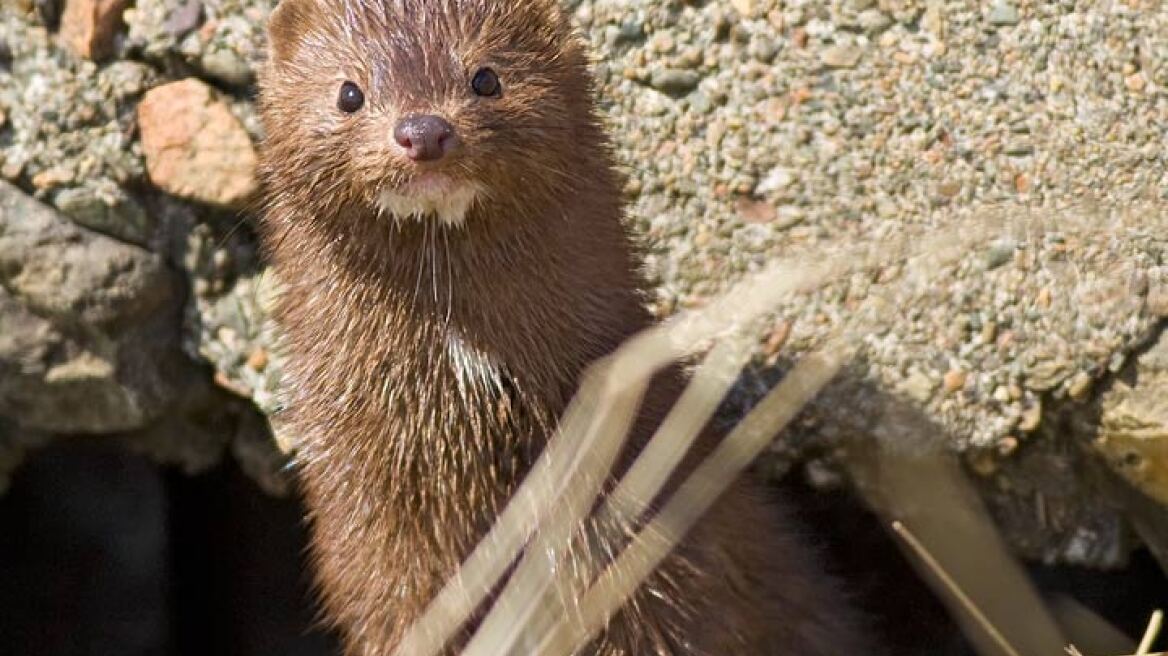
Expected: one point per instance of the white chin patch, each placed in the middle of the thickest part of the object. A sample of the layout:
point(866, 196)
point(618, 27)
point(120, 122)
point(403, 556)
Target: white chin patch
point(448, 206)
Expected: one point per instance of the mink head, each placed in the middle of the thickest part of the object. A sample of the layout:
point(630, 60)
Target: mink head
point(424, 109)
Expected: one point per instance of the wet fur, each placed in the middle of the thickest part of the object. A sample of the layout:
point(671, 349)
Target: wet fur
point(428, 363)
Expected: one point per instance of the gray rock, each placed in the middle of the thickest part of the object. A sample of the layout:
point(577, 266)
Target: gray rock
point(1004, 14)
point(999, 254)
point(227, 66)
point(700, 103)
point(105, 207)
point(630, 31)
point(874, 20)
point(184, 18)
point(674, 81)
point(841, 56)
point(88, 326)
point(763, 48)
point(1019, 148)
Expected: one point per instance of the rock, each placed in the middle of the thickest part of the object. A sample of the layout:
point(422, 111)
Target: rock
point(789, 215)
point(106, 208)
point(756, 211)
point(1003, 14)
point(935, 19)
point(64, 273)
point(1135, 82)
point(954, 380)
point(226, 66)
point(88, 27)
point(1157, 293)
point(918, 387)
point(184, 18)
point(1019, 148)
point(674, 81)
point(999, 254)
point(195, 147)
point(1080, 386)
point(841, 56)
point(763, 48)
point(88, 326)
point(779, 179)
point(1133, 429)
point(1045, 375)
point(874, 20)
point(1031, 417)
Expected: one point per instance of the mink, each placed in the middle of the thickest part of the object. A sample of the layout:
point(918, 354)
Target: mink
point(444, 214)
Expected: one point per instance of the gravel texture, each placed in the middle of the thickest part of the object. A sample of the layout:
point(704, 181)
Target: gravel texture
point(750, 130)
point(813, 126)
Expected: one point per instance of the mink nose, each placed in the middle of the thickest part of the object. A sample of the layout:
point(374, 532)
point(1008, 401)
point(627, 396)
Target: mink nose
point(426, 138)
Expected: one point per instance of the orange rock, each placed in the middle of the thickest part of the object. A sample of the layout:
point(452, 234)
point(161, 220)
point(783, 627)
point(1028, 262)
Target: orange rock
point(88, 26)
point(258, 360)
point(799, 36)
point(756, 211)
point(954, 380)
point(195, 147)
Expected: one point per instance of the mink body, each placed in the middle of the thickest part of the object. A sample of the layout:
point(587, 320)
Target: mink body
point(433, 341)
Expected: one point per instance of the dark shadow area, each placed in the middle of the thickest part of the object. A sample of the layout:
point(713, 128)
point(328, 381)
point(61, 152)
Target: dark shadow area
point(1125, 597)
point(241, 583)
point(102, 553)
point(905, 616)
point(84, 568)
point(909, 619)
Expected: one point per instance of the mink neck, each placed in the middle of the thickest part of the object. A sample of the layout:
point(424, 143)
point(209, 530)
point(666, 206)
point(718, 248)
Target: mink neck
point(543, 293)
point(414, 343)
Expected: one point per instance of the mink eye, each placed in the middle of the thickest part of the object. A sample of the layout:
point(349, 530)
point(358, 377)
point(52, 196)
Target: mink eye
point(351, 98)
point(486, 83)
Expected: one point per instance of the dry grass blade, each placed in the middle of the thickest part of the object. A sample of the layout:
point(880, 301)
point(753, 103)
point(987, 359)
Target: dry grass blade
point(692, 499)
point(631, 367)
point(524, 595)
point(468, 589)
point(693, 410)
point(1150, 635)
point(954, 589)
point(536, 498)
point(1087, 630)
point(544, 597)
point(929, 491)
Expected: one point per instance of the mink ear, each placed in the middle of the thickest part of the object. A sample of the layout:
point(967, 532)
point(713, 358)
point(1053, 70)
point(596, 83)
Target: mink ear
point(287, 25)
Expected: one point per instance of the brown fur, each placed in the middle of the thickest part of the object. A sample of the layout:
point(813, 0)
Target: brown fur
point(405, 463)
